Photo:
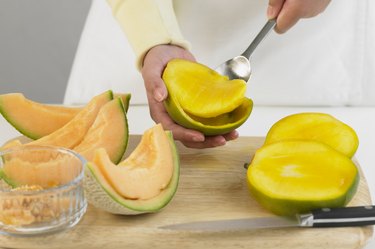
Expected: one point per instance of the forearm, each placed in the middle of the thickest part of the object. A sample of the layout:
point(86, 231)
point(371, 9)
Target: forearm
point(147, 23)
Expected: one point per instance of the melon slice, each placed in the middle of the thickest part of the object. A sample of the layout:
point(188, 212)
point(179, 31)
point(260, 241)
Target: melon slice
point(319, 127)
point(71, 134)
point(296, 176)
point(44, 168)
point(106, 190)
point(109, 131)
point(36, 120)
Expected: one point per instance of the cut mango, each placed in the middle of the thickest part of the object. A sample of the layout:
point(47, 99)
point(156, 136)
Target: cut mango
point(199, 98)
point(296, 176)
point(319, 127)
point(145, 182)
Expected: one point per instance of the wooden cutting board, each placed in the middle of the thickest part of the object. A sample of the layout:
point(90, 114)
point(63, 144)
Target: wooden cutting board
point(212, 186)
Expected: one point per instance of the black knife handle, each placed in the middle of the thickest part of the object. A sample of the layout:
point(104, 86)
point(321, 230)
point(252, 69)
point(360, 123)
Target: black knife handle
point(344, 217)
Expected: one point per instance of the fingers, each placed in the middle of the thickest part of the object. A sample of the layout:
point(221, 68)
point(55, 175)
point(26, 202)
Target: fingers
point(274, 7)
point(289, 12)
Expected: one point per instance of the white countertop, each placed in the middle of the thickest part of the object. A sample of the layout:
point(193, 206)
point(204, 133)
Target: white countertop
point(361, 119)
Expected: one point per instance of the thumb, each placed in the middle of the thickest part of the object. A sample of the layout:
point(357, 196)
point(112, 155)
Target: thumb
point(274, 7)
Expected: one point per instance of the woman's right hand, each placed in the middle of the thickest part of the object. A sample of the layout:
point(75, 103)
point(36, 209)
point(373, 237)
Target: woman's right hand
point(153, 66)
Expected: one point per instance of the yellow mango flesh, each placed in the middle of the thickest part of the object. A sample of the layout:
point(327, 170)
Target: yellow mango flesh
point(295, 176)
point(319, 127)
point(201, 91)
point(201, 99)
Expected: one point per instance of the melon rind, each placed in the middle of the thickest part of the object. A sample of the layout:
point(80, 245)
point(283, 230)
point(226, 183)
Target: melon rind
point(36, 120)
point(101, 195)
point(112, 138)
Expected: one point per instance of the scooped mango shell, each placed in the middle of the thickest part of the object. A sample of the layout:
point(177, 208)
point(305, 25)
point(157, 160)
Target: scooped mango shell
point(200, 90)
point(209, 126)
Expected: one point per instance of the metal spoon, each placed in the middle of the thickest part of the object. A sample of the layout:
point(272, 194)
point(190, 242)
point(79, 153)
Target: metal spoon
point(239, 66)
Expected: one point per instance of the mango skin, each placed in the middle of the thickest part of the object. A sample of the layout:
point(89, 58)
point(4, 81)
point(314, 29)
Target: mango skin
point(210, 126)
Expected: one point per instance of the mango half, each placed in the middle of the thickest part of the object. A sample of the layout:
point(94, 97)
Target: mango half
point(201, 99)
point(320, 127)
point(296, 176)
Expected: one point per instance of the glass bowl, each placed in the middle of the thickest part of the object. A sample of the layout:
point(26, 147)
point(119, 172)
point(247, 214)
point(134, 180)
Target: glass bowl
point(41, 189)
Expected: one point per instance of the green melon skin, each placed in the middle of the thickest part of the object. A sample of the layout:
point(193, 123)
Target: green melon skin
point(209, 126)
point(36, 120)
point(107, 137)
point(100, 194)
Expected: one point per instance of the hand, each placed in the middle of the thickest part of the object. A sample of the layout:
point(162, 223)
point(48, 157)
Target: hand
point(288, 12)
point(153, 65)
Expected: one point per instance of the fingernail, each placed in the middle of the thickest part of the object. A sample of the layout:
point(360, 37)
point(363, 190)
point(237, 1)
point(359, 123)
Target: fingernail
point(270, 12)
point(158, 95)
point(198, 138)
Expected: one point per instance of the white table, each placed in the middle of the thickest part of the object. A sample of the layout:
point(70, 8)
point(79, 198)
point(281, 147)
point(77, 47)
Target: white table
point(361, 119)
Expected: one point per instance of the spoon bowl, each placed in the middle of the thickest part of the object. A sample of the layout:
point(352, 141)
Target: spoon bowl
point(239, 67)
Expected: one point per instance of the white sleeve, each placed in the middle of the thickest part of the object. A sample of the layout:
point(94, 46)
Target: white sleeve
point(147, 23)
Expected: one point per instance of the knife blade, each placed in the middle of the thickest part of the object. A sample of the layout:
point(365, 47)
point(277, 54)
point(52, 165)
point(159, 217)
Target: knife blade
point(325, 217)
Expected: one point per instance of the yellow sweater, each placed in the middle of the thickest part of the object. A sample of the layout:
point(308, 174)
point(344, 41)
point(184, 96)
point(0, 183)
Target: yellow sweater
point(147, 23)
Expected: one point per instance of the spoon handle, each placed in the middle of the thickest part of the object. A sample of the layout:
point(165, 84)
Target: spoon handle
point(262, 34)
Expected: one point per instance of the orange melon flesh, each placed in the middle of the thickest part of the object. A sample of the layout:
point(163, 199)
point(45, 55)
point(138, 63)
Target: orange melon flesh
point(101, 193)
point(146, 172)
point(109, 131)
point(319, 127)
point(297, 176)
point(36, 120)
point(33, 119)
point(71, 134)
point(200, 90)
point(39, 168)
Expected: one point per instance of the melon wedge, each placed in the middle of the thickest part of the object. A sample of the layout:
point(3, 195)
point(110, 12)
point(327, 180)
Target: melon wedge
point(33, 119)
point(106, 190)
point(319, 127)
point(109, 131)
point(296, 176)
point(71, 134)
point(36, 120)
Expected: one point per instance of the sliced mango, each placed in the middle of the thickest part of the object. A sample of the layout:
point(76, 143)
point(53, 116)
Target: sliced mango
point(296, 176)
point(318, 127)
point(201, 99)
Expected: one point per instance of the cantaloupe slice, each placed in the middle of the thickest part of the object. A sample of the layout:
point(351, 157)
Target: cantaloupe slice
point(319, 127)
point(109, 188)
point(109, 131)
point(36, 120)
point(71, 134)
point(297, 176)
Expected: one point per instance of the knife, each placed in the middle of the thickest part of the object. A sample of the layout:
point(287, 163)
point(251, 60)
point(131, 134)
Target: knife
point(325, 217)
